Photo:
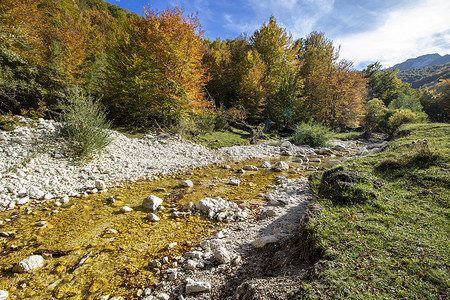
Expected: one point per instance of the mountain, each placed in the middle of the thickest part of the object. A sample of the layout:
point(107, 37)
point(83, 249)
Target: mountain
point(423, 61)
point(426, 77)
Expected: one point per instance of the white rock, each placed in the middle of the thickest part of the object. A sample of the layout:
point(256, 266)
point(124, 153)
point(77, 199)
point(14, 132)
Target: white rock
point(225, 167)
point(35, 193)
point(209, 204)
point(111, 231)
point(103, 297)
point(250, 168)
point(222, 255)
point(100, 185)
point(197, 287)
point(234, 182)
point(28, 264)
point(22, 201)
point(194, 254)
point(154, 264)
point(280, 166)
point(261, 242)
point(3, 295)
point(48, 196)
point(153, 217)
point(125, 209)
point(3, 136)
point(325, 151)
point(363, 151)
point(266, 165)
point(41, 223)
point(163, 296)
point(187, 183)
point(152, 202)
point(191, 264)
point(65, 199)
point(171, 245)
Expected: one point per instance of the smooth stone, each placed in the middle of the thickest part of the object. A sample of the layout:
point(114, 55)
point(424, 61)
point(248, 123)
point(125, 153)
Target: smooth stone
point(316, 160)
point(100, 185)
point(28, 264)
point(325, 151)
point(225, 167)
point(3, 295)
point(187, 183)
point(153, 217)
point(261, 242)
point(125, 209)
point(234, 182)
point(250, 168)
point(34, 192)
point(197, 287)
point(280, 166)
point(266, 165)
point(163, 296)
point(152, 202)
point(207, 204)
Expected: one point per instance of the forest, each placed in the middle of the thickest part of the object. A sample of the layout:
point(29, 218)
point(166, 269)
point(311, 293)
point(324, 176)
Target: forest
point(158, 71)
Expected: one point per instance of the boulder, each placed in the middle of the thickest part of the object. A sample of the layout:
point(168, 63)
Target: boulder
point(28, 264)
point(151, 202)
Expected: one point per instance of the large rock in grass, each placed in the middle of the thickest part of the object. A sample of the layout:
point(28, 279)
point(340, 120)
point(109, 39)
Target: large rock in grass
point(348, 186)
point(151, 202)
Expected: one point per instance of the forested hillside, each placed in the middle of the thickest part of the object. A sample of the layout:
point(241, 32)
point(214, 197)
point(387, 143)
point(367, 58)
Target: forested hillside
point(157, 70)
point(426, 77)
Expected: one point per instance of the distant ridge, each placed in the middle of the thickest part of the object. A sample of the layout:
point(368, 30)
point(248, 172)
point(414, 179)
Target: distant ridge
point(423, 61)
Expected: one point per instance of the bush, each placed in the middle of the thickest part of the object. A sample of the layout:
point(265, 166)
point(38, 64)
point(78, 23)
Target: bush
point(375, 110)
point(404, 116)
point(314, 135)
point(83, 124)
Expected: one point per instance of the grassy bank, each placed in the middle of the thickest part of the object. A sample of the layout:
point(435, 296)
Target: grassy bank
point(392, 242)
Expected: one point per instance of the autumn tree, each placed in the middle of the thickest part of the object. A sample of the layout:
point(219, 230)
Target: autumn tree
point(333, 92)
point(155, 71)
point(278, 52)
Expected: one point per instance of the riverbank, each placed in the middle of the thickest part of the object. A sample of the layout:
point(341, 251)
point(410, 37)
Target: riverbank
point(38, 178)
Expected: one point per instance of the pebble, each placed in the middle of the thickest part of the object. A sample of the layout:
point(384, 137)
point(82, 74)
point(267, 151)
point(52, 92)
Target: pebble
point(125, 209)
point(187, 183)
point(153, 217)
point(222, 255)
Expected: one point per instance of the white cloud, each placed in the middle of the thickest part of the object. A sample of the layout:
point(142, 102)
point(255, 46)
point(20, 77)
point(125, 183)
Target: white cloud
point(406, 32)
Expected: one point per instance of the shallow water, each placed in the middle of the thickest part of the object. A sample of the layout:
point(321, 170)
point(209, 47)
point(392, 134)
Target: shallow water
point(119, 262)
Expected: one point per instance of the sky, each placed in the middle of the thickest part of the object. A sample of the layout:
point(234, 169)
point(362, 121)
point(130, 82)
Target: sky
point(388, 31)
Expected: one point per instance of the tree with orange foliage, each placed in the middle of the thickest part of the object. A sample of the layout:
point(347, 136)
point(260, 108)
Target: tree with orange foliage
point(155, 71)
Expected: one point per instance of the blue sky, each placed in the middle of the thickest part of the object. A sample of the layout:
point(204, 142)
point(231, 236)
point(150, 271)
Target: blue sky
point(389, 31)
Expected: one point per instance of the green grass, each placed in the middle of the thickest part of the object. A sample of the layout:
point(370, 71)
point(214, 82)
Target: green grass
point(396, 246)
point(217, 139)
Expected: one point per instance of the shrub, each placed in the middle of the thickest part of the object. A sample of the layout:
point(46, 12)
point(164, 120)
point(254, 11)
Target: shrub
point(375, 110)
point(83, 124)
point(314, 135)
point(404, 116)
